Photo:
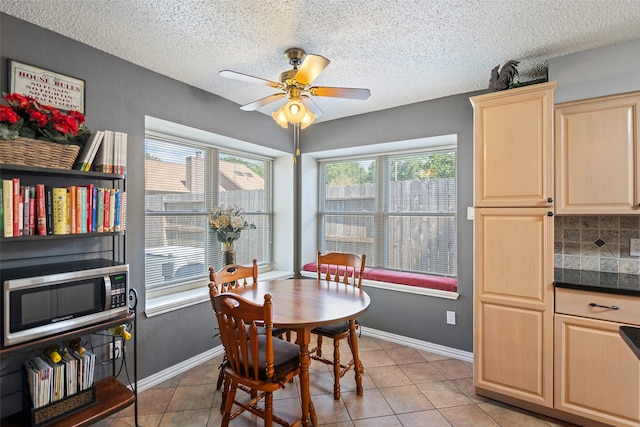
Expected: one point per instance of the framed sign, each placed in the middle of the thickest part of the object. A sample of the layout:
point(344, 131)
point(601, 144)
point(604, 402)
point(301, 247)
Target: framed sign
point(47, 87)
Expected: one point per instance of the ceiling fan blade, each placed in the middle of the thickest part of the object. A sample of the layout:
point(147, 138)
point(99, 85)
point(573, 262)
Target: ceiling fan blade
point(311, 67)
point(311, 105)
point(249, 79)
point(262, 102)
point(340, 92)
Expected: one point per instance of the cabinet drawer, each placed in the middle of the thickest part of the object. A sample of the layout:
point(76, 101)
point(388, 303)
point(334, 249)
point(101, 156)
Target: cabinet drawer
point(579, 303)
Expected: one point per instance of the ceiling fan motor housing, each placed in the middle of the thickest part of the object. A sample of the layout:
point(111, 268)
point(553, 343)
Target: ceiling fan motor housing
point(295, 55)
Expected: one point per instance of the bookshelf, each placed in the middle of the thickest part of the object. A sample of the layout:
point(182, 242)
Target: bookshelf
point(112, 395)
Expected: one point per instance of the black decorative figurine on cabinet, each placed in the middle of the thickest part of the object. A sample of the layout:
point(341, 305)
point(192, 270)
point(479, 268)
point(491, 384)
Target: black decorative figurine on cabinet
point(502, 79)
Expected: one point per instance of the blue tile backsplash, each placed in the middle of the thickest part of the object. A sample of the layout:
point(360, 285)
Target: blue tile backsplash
point(596, 243)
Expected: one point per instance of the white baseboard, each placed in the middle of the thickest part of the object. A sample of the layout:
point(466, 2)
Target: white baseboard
point(165, 374)
point(453, 353)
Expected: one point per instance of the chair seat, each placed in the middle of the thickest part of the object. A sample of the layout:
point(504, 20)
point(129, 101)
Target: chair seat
point(332, 329)
point(276, 332)
point(286, 358)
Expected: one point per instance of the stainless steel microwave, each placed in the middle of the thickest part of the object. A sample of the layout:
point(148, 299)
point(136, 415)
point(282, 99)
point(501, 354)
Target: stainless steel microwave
point(43, 300)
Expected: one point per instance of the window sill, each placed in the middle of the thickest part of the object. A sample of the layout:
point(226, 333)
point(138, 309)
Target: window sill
point(178, 300)
point(437, 293)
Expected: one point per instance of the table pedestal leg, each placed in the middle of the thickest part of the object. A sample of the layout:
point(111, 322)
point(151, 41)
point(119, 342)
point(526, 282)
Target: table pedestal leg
point(357, 366)
point(303, 339)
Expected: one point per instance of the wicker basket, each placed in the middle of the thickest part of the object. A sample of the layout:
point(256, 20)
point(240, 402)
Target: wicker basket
point(34, 152)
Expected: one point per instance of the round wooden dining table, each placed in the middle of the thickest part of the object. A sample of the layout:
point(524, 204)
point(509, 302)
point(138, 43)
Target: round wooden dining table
point(303, 304)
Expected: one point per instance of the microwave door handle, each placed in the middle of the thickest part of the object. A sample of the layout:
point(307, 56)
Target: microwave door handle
point(107, 293)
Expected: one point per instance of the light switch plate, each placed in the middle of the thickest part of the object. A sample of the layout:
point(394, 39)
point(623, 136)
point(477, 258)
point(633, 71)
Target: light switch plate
point(470, 213)
point(634, 247)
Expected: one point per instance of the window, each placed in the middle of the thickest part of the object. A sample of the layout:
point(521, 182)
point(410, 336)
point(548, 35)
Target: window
point(399, 209)
point(184, 180)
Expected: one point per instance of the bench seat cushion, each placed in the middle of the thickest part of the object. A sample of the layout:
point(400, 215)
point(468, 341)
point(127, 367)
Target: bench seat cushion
point(403, 278)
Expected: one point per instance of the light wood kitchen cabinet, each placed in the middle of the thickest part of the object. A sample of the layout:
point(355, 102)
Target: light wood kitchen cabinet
point(513, 244)
point(597, 374)
point(513, 303)
point(513, 147)
point(598, 156)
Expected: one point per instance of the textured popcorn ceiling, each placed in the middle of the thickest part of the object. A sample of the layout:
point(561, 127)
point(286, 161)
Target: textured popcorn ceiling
point(404, 51)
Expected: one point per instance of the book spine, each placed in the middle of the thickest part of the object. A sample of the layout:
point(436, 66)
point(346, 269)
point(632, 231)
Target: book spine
point(83, 209)
point(94, 150)
point(41, 220)
point(72, 209)
point(7, 201)
point(124, 153)
point(116, 210)
point(16, 206)
point(112, 207)
point(107, 208)
point(89, 207)
point(25, 195)
point(32, 211)
point(60, 211)
point(48, 198)
point(123, 212)
point(68, 207)
point(100, 209)
point(94, 208)
point(20, 215)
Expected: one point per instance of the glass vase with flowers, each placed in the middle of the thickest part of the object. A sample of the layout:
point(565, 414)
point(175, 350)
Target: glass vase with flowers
point(228, 223)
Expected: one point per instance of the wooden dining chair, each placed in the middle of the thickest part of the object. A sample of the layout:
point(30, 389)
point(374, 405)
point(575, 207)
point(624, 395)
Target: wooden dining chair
point(254, 360)
point(338, 268)
point(227, 278)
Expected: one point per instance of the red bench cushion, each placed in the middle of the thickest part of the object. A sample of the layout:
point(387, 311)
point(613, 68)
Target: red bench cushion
point(403, 278)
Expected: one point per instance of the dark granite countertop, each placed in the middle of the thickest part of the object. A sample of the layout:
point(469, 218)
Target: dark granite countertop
point(631, 336)
point(598, 281)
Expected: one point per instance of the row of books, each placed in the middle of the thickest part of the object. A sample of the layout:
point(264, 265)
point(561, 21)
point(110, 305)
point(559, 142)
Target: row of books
point(28, 210)
point(105, 151)
point(49, 381)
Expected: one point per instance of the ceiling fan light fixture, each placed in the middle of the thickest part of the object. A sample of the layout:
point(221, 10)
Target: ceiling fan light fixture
point(280, 117)
point(294, 110)
point(308, 118)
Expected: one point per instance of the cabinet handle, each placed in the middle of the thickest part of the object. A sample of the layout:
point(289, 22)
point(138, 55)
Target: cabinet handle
point(610, 307)
point(550, 199)
point(549, 213)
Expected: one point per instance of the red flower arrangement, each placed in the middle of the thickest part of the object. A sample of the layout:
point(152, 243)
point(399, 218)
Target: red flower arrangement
point(25, 117)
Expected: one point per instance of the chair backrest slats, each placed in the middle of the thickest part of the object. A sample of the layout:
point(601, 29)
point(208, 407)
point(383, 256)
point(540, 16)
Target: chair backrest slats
point(231, 276)
point(341, 268)
point(239, 321)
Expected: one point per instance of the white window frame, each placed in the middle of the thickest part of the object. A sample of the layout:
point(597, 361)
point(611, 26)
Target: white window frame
point(310, 207)
point(191, 292)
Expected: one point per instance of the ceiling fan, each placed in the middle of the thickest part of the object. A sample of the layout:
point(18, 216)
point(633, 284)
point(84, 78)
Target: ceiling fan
point(295, 84)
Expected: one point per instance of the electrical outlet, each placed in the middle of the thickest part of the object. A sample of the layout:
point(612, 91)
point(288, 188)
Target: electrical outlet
point(451, 317)
point(115, 351)
point(634, 247)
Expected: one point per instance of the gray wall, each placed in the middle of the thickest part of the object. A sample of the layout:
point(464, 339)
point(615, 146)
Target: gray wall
point(597, 72)
point(417, 316)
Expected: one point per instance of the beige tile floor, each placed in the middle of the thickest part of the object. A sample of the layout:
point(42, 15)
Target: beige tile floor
point(403, 387)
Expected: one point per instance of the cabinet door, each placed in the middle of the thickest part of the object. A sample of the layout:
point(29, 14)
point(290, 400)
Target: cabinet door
point(513, 303)
point(597, 156)
point(597, 374)
point(513, 151)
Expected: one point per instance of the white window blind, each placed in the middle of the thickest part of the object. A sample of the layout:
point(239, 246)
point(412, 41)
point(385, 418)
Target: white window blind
point(398, 209)
point(184, 181)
